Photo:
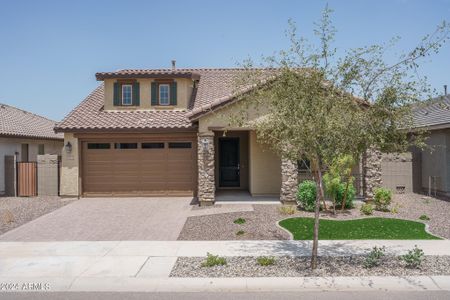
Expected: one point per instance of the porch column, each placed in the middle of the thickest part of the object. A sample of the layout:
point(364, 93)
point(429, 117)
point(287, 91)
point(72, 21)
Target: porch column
point(205, 157)
point(371, 165)
point(289, 182)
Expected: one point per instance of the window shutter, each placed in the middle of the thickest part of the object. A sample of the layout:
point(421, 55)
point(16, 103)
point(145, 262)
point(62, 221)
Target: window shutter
point(136, 94)
point(173, 93)
point(154, 100)
point(117, 94)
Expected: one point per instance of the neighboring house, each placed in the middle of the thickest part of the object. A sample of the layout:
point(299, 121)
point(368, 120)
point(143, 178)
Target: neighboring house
point(25, 135)
point(166, 132)
point(432, 165)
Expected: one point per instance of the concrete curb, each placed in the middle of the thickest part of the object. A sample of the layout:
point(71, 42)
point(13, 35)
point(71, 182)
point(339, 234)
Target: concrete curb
point(239, 284)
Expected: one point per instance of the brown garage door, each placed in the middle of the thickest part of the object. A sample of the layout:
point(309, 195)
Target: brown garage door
point(163, 167)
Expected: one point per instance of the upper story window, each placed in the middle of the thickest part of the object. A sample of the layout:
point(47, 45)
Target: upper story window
point(127, 94)
point(164, 97)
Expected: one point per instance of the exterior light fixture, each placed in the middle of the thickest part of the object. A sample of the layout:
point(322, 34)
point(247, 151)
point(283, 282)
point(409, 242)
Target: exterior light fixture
point(205, 143)
point(68, 147)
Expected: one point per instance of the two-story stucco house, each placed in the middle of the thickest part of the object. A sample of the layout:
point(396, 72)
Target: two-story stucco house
point(165, 132)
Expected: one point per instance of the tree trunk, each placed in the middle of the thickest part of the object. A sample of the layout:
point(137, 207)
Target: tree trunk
point(346, 190)
point(320, 195)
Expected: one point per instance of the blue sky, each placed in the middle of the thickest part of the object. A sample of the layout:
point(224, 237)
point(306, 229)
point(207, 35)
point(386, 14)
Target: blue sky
point(50, 50)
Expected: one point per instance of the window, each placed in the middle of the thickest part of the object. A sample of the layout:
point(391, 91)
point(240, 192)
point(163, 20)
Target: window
point(127, 94)
point(304, 165)
point(152, 145)
point(41, 149)
point(99, 146)
point(182, 145)
point(164, 94)
point(125, 145)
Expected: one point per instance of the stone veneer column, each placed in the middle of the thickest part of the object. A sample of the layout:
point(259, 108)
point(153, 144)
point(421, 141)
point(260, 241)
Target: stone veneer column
point(205, 157)
point(371, 171)
point(289, 182)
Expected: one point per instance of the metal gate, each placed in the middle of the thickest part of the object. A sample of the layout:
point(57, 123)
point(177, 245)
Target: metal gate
point(26, 179)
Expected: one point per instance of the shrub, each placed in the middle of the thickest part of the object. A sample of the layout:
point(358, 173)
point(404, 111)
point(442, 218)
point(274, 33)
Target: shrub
point(306, 195)
point(424, 218)
point(265, 261)
point(214, 260)
point(287, 209)
point(413, 258)
point(367, 209)
point(240, 232)
point(374, 257)
point(239, 221)
point(351, 193)
point(382, 199)
point(394, 209)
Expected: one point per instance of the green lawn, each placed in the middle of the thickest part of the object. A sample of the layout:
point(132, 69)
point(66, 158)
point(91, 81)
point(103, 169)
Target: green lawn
point(361, 229)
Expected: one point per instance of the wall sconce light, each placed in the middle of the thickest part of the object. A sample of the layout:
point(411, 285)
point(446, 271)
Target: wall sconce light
point(205, 144)
point(68, 147)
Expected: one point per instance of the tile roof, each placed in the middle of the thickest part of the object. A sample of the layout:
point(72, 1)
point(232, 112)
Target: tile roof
point(214, 86)
point(90, 115)
point(435, 112)
point(16, 122)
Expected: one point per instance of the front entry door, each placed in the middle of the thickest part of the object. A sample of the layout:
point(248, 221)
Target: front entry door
point(229, 174)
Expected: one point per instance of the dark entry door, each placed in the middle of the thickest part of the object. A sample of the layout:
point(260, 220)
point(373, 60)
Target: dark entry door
point(229, 175)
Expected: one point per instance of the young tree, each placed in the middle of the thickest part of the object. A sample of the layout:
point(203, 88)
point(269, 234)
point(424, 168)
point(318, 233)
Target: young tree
point(320, 106)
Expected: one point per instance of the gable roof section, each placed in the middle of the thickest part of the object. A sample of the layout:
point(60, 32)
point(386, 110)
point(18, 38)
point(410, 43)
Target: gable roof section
point(214, 86)
point(90, 115)
point(16, 122)
point(432, 114)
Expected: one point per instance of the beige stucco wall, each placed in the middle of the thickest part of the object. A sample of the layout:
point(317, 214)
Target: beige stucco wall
point(184, 91)
point(11, 146)
point(70, 168)
point(436, 162)
point(265, 169)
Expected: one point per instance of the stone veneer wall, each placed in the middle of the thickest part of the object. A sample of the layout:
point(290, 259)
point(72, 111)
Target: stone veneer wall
point(371, 171)
point(206, 180)
point(289, 181)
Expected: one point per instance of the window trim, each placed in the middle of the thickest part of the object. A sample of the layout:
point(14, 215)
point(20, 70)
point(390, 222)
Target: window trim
point(131, 95)
point(168, 94)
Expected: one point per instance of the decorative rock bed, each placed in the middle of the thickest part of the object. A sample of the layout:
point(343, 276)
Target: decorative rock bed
point(300, 267)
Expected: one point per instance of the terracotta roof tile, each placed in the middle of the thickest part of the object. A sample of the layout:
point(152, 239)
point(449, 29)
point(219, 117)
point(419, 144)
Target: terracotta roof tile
point(15, 122)
point(215, 85)
point(90, 114)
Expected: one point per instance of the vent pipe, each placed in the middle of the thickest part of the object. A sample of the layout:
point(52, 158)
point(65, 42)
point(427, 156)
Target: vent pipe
point(445, 90)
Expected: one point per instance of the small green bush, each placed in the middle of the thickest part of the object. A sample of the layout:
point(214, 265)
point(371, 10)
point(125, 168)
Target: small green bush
point(374, 257)
point(306, 195)
point(240, 232)
point(239, 221)
point(382, 199)
point(394, 210)
point(214, 260)
point(413, 258)
point(265, 261)
point(351, 193)
point(367, 209)
point(424, 218)
point(287, 209)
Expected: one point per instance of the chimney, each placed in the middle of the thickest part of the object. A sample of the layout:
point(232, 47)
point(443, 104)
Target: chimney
point(174, 64)
point(445, 90)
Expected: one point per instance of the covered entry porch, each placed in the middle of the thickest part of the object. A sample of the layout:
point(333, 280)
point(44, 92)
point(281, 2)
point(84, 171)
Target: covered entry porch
point(235, 167)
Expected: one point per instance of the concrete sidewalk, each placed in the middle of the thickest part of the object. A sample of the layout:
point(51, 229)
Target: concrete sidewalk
point(225, 248)
point(146, 265)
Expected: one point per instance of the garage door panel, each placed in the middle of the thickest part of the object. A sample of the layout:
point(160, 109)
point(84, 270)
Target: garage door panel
point(150, 171)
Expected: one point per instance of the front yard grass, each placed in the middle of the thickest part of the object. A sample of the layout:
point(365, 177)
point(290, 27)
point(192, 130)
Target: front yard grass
point(360, 229)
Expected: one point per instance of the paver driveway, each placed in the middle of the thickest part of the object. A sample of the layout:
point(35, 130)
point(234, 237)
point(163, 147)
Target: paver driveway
point(101, 219)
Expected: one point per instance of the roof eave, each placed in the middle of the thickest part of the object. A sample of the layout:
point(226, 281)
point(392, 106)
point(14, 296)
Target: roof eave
point(190, 75)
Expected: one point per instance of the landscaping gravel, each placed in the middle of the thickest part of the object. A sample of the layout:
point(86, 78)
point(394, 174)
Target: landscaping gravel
point(16, 211)
point(261, 224)
point(300, 266)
